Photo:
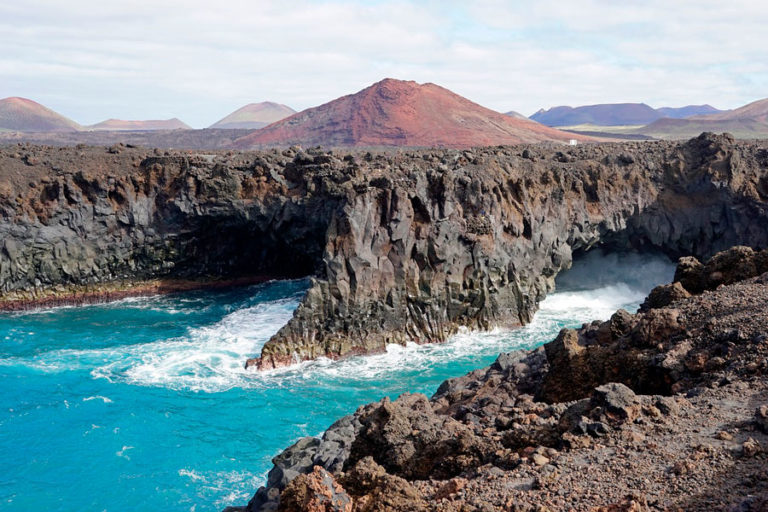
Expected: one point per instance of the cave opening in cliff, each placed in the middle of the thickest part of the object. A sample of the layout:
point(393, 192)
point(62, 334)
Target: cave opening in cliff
point(241, 249)
point(603, 268)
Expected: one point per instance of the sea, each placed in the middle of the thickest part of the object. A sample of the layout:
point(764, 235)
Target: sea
point(144, 404)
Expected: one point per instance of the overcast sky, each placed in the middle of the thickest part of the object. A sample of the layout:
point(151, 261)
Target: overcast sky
point(200, 60)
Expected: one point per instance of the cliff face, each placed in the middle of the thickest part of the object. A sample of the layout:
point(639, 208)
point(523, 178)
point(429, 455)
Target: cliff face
point(403, 246)
point(89, 223)
point(476, 238)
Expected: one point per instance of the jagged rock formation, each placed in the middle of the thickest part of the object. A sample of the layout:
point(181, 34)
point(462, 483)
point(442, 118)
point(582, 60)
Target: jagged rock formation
point(664, 409)
point(406, 246)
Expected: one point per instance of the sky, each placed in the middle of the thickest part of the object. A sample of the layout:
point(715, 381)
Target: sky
point(199, 60)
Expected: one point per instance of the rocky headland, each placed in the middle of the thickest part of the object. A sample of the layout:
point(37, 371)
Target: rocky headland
point(402, 245)
point(666, 409)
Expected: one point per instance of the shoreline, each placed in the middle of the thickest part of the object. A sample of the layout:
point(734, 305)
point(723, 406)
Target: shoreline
point(674, 392)
point(109, 292)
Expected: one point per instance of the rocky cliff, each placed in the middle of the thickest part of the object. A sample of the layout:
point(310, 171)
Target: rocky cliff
point(402, 245)
point(429, 242)
point(90, 223)
point(666, 409)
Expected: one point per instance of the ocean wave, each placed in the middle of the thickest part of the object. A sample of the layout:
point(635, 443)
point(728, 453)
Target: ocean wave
point(206, 359)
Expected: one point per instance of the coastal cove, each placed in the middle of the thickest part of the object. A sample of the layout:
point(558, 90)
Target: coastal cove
point(144, 404)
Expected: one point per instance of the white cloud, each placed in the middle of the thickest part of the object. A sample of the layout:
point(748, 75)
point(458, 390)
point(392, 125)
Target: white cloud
point(199, 60)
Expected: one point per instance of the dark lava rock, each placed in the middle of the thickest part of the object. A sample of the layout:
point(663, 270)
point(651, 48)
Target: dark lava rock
point(403, 247)
point(614, 401)
point(761, 418)
point(664, 295)
point(409, 439)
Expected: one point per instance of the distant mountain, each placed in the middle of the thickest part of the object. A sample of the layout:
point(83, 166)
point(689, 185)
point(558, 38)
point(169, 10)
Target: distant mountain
point(516, 115)
point(747, 122)
point(23, 115)
point(254, 116)
point(616, 114)
point(401, 113)
point(610, 114)
point(120, 125)
point(755, 111)
point(687, 111)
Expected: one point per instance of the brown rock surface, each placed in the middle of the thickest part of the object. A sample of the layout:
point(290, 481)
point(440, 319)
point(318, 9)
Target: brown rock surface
point(314, 492)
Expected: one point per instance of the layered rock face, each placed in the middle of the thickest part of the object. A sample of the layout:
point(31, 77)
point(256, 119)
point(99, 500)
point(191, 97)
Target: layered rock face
point(402, 246)
point(660, 410)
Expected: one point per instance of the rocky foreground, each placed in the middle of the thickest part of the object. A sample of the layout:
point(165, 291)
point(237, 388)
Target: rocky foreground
point(403, 246)
point(666, 409)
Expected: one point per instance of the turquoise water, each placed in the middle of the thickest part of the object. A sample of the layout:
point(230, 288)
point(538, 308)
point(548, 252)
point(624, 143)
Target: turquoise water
point(143, 404)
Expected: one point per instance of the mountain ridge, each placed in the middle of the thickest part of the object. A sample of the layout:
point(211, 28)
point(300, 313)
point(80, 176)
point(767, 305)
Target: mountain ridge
point(615, 114)
point(746, 122)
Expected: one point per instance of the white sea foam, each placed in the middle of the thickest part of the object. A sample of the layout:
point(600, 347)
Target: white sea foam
point(121, 453)
point(192, 474)
point(97, 397)
point(238, 485)
point(208, 358)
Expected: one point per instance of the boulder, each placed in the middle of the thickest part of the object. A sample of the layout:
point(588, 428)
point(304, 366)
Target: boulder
point(317, 491)
point(690, 274)
point(664, 295)
point(293, 461)
point(570, 376)
point(375, 490)
point(614, 402)
point(410, 440)
point(729, 266)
